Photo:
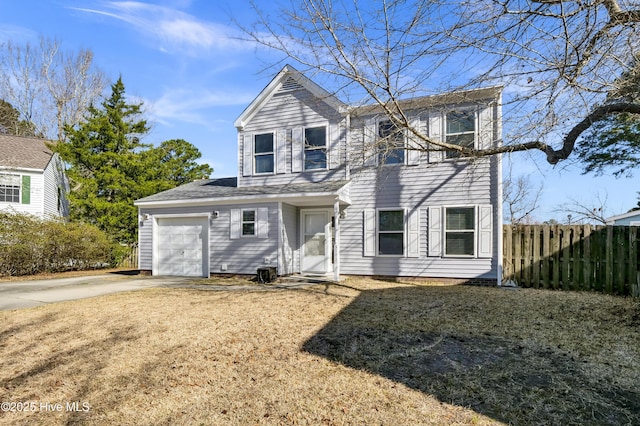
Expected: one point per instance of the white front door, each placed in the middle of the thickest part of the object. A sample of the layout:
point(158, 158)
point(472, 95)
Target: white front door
point(316, 242)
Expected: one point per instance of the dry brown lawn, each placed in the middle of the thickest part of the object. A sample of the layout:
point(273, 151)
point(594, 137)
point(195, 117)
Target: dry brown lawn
point(363, 352)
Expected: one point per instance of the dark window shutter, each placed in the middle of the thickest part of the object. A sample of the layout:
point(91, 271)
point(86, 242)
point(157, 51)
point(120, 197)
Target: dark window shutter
point(26, 189)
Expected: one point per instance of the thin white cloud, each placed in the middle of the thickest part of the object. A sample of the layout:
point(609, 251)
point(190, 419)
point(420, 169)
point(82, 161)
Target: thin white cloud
point(16, 34)
point(172, 29)
point(192, 107)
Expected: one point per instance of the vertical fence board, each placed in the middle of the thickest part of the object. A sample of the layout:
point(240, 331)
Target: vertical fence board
point(555, 253)
point(517, 255)
point(620, 245)
point(566, 257)
point(526, 255)
point(586, 257)
point(546, 255)
point(632, 266)
point(507, 252)
point(609, 261)
point(536, 256)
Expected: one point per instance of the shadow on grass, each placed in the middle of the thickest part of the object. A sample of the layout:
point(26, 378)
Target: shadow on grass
point(422, 337)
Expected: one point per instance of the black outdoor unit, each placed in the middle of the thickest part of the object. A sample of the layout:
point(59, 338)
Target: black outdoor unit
point(267, 274)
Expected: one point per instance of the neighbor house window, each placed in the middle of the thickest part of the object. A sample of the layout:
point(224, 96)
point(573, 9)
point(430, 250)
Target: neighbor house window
point(10, 188)
point(248, 222)
point(460, 231)
point(390, 143)
point(263, 152)
point(461, 130)
point(315, 148)
point(391, 232)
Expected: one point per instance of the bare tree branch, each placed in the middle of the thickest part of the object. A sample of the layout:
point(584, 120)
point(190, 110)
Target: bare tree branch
point(557, 59)
point(49, 87)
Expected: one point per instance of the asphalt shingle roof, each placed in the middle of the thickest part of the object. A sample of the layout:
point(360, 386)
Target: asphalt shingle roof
point(24, 152)
point(228, 188)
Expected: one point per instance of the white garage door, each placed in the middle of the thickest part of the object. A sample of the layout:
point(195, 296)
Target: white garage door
point(182, 247)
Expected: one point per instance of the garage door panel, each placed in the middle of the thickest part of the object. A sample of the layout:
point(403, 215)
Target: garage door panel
point(182, 246)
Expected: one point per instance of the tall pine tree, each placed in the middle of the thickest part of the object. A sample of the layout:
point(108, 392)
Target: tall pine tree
point(110, 167)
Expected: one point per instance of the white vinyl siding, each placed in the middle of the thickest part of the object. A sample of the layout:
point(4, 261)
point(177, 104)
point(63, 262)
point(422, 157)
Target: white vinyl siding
point(422, 190)
point(226, 255)
point(289, 113)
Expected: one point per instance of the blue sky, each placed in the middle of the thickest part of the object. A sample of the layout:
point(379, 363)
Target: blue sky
point(183, 59)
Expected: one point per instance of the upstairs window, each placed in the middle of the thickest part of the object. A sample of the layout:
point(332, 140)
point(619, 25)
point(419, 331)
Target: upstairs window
point(315, 148)
point(390, 143)
point(263, 153)
point(460, 230)
point(461, 130)
point(10, 188)
point(248, 223)
point(391, 232)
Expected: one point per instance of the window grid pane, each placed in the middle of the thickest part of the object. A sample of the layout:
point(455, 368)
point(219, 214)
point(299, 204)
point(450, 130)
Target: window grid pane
point(461, 219)
point(391, 220)
point(460, 131)
point(391, 232)
point(391, 149)
point(264, 143)
point(460, 231)
point(264, 163)
point(10, 188)
point(248, 222)
point(315, 148)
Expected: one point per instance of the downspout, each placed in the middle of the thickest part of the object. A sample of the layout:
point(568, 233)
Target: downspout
point(347, 146)
point(498, 121)
point(336, 239)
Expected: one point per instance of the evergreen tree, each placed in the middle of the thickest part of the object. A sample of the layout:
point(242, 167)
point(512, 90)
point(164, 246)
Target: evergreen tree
point(615, 141)
point(10, 122)
point(109, 166)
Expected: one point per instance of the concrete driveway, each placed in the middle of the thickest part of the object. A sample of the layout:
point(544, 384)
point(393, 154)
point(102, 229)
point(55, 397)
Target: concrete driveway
point(25, 294)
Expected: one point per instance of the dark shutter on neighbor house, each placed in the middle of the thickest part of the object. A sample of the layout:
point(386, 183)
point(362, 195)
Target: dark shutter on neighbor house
point(26, 190)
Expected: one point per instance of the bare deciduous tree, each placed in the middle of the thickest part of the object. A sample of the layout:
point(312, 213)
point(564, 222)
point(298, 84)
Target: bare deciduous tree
point(578, 211)
point(520, 198)
point(557, 59)
point(48, 87)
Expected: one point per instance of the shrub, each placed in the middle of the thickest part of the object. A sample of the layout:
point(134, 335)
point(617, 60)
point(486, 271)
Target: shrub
point(30, 245)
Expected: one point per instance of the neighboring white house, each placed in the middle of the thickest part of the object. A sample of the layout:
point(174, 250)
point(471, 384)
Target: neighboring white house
point(316, 195)
point(631, 218)
point(32, 178)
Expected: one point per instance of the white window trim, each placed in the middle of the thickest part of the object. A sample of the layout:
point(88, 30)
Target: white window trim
point(476, 115)
point(255, 223)
point(256, 154)
point(19, 185)
point(475, 231)
point(405, 149)
point(326, 148)
point(404, 232)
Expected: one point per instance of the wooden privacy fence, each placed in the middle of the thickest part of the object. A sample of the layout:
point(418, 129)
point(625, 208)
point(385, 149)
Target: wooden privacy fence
point(130, 259)
point(573, 257)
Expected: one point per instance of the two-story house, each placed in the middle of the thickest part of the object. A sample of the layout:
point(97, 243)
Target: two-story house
point(32, 178)
point(318, 193)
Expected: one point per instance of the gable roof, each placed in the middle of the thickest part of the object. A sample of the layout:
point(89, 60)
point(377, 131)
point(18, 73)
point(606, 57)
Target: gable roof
point(288, 78)
point(22, 152)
